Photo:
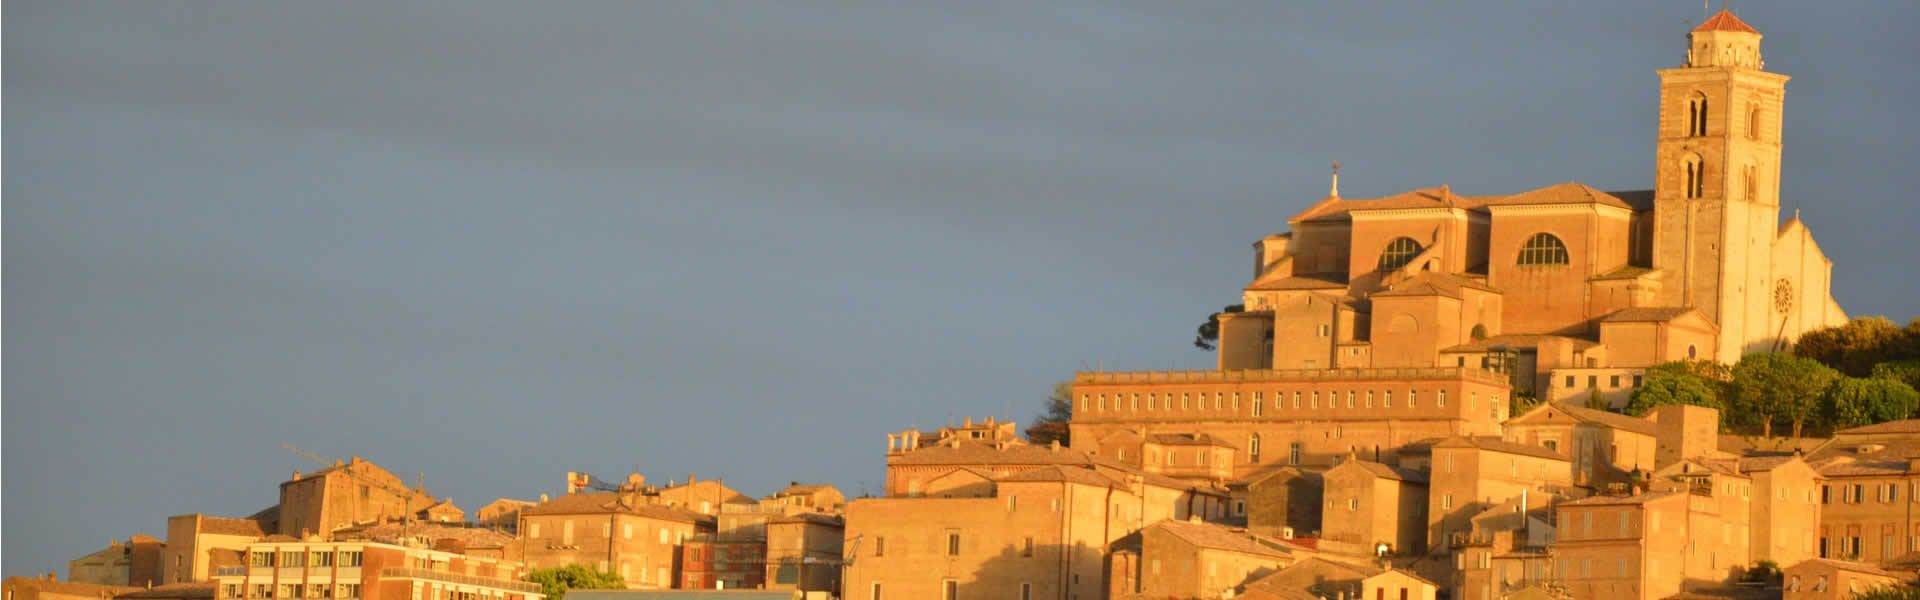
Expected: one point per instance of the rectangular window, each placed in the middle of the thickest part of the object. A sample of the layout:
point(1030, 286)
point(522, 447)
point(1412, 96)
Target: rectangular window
point(1614, 381)
point(663, 535)
point(1026, 549)
point(1316, 400)
point(293, 559)
point(1826, 494)
point(1257, 404)
point(1369, 398)
point(1013, 503)
point(261, 559)
point(876, 591)
point(1443, 398)
point(1293, 453)
point(1296, 399)
point(350, 558)
point(1386, 400)
point(320, 559)
point(1026, 591)
point(1593, 381)
point(1184, 398)
point(1136, 402)
point(950, 590)
point(1636, 381)
point(1446, 502)
point(1349, 398)
point(1152, 401)
point(953, 543)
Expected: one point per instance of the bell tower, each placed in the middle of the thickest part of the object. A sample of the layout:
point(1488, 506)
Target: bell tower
point(1717, 181)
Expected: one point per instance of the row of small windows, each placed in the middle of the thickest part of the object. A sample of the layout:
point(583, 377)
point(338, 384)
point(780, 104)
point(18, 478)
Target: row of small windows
point(1224, 401)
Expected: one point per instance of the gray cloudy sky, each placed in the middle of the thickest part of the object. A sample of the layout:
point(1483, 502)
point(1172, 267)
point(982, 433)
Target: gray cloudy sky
point(493, 243)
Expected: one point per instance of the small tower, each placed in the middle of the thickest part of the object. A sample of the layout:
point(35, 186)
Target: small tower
point(1716, 201)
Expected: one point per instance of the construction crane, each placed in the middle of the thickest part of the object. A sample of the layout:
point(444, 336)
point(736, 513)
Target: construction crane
point(406, 494)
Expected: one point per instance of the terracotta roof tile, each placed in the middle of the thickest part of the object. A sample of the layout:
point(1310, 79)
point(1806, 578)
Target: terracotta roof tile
point(1221, 538)
point(69, 588)
point(1564, 193)
point(1387, 472)
point(1618, 500)
point(172, 591)
point(1725, 21)
point(1610, 419)
point(230, 526)
point(1296, 283)
point(1080, 475)
point(1187, 439)
point(1430, 284)
point(614, 502)
point(389, 533)
point(1496, 444)
point(1845, 565)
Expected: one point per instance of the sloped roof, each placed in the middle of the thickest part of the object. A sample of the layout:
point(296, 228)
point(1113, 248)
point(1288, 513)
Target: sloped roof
point(1298, 282)
point(231, 526)
point(69, 588)
point(969, 452)
point(1624, 272)
point(1901, 426)
point(1387, 472)
point(1601, 417)
point(1725, 21)
point(1220, 538)
point(1080, 475)
point(1435, 284)
point(1845, 565)
point(1562, 193)
point(1495, 444)
point(389, 533)
point(1518, 340)
point(801, 489)
point(1306, 573)
point(225, 557)
point(1646, 314)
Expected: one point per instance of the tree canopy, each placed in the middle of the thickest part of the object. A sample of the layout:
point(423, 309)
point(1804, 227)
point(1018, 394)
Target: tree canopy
point(554, 582)
point(1208, 334)
point(1771, 387)
point(1856, 401)
point(1051, 424)
point(1674, 388)
point(1854, 348)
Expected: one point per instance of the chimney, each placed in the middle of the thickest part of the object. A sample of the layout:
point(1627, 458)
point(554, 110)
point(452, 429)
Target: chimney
point(296, 475)
point(356, 460)
point(337, 462)
point(543, 497)
point(1054, 445)
point(969, 422)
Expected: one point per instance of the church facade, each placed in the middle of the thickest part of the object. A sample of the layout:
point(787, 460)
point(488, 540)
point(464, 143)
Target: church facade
point(1567, 291)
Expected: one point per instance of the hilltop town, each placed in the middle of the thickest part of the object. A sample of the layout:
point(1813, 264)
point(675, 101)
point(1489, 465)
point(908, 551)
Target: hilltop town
point(1434, 394)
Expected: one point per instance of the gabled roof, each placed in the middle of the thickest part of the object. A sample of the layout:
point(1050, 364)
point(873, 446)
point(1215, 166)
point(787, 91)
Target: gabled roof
point(1187, 439)
point(1080, 475)
point(1725, 21)
point(1563, 193)
point(969, 452)
point(801, 490)
point(1496, 444)
point(172, 591)
point(1336, 208)
point(1435, 284)
point(1844, 565)
point(1520, 340)
point(1384, 471)
point(1296, 282)
point(1220, 538)
point(1597, 417)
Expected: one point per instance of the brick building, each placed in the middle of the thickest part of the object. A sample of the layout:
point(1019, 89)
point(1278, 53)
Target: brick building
point(622, 533)
point(196, 541)
point(347, 493)
point(135, 562)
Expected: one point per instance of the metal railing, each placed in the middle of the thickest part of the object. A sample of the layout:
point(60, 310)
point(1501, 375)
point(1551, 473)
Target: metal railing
point(506, 584)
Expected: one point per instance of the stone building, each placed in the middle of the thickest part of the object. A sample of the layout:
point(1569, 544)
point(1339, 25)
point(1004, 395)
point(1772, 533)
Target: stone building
point(292, 569)
point(1179, 559)
point(1322, 579)
point(1373, 509)
point(347, 493)
point(442, 512)
point(135, 562)
point(502, 513)
point(45, 587)
point(1361, 317)
point(804, 552)
point(1869, 499)
point(1282, 502)
point(621, 533)
point(1828, 579)
point(195, 541)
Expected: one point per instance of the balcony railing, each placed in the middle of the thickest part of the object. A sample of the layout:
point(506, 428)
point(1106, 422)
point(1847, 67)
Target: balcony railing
point(505, 584)
point(228, 571)
point(1258, 375)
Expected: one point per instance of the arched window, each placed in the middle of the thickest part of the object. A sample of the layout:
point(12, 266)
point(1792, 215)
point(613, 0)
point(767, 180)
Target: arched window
point(1697, 115)
point(1695, 176)
point(1543, 249)
point(1749, 183)
point(1253, 447)
point(1399, 253)
point(1753, 122)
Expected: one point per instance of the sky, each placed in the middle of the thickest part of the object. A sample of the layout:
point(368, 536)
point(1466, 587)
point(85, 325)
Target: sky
point(493, 242)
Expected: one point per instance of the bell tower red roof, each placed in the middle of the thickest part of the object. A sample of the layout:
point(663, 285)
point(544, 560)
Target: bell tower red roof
point(1725, 21)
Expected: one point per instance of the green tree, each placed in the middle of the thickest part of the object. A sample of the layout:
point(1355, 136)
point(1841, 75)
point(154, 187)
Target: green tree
point(555, 582)
point(1769, 387)
point(1889, 592)
point(1674, 388)
point(1706, 369)
point(1521, 402)
point(1051, 424)
point(1856, 401)
point(1207, 337)
point(1904, 371)
point(1854, 348)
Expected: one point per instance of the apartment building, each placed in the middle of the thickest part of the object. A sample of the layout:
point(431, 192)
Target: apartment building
point(194, 541)
point(1468, 475)
point(502, 513)
point(1282, 502)
point(1180, 559)
point(621, 533)
point(1828, 579)
point(288, 569)
point(1373, 509)
point(1870, 499)
point(804, 552)
point(1508, 550)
